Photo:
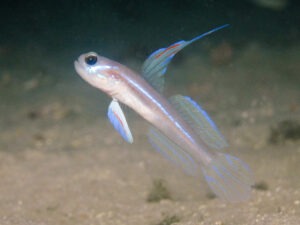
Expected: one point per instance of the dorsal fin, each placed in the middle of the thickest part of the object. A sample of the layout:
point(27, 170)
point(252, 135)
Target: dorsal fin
point(199, 120)
point(156, 64)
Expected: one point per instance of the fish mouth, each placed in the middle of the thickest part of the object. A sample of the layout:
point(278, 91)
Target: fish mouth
point(78, 67)
point(76, 64)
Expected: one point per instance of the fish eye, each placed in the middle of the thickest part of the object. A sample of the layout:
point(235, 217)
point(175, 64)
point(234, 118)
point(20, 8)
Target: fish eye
point(91, 60)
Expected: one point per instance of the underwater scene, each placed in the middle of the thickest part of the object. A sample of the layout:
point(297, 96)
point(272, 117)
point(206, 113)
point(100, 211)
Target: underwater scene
point(150, 112)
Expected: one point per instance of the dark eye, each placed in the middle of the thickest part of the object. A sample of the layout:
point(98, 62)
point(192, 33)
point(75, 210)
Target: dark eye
point(91, 60)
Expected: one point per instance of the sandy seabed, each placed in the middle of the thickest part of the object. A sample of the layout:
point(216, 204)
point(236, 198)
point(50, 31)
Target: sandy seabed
point(61, 162)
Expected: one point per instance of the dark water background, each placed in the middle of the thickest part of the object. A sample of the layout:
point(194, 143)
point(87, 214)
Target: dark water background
point(62, 30)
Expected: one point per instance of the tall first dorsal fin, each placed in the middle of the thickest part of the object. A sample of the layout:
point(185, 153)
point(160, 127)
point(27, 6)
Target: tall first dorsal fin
point(156, 64)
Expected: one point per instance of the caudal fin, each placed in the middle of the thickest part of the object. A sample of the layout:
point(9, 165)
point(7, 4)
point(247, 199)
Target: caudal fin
point(229, 177)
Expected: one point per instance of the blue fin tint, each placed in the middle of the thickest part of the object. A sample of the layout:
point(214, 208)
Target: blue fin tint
point(118, 120)
point(229, 178)
point(172, 151)
point(199, 120)
point(156, 64)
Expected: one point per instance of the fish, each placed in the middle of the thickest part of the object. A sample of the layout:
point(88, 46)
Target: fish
point(180, 129)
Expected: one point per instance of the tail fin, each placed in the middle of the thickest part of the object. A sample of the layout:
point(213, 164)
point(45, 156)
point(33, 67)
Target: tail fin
point(229, 177)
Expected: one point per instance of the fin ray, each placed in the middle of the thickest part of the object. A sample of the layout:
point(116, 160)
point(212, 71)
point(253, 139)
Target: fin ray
point(117, 118)
point(172, 152)
point(200, 121)
point(229, 178)
point(156, 64)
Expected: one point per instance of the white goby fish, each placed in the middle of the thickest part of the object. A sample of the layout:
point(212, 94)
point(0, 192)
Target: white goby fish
point(180, 129)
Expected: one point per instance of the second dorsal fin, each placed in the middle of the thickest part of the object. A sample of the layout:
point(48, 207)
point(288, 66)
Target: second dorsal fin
point(199, 120)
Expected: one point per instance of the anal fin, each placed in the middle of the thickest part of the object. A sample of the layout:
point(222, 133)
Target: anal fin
point(172, 151)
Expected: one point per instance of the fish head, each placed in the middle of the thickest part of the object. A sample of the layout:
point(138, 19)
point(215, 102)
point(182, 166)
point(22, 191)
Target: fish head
point(98, 71)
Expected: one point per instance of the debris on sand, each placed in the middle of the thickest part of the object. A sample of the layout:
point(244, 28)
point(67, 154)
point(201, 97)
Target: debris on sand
point(261, 186)
point(158, 191)
point(169, 220)
point(285, 130)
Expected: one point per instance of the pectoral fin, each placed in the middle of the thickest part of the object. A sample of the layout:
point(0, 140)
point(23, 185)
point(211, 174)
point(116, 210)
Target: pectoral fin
point(118, 120)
